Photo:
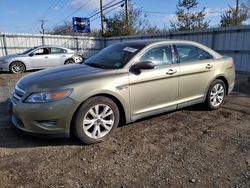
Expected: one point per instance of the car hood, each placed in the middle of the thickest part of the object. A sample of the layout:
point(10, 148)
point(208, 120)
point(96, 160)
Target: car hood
point(61, 77)
point(12, 56)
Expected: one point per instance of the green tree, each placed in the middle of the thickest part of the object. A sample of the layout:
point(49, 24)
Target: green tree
point(138, 23)
point(234, 16)
point(187, 19)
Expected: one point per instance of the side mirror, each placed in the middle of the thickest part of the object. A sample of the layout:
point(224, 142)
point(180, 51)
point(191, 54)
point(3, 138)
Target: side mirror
point(31, 54)
point(137, 67)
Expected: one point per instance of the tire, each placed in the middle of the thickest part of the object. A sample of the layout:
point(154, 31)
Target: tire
point(216, 95)
point(89, 126)
point(69, 61)
point(17, 67)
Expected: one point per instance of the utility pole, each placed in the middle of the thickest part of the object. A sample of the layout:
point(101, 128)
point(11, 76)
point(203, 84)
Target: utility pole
point(42, 25)
point(127, 12)
point(237, 7)
point(101, 11)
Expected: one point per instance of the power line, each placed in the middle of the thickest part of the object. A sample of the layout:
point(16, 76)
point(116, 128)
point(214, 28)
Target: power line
point(53, 4)
point(104, 13)
point(62, 6)
point(106, 7)
point(91, 16)
point(60, 31)
point(155, 12)
point(97, 10)
point(73, 12)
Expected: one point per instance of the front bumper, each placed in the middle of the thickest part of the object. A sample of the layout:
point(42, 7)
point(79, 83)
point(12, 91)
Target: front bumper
point(231, 87)
point(53, 118)
point(4, 67)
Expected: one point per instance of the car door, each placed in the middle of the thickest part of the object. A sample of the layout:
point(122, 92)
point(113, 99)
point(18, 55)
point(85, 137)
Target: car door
point(156, 90)
point(196, 72)
point(58, 56)
point(39, 58)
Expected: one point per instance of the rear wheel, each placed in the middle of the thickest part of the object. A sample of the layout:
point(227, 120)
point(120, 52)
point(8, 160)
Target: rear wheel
point(216, 94)
point(17, 67)
point(69, 61)
point(96, 119)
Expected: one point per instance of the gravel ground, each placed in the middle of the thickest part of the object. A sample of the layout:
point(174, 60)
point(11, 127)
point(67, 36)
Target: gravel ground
point(191, 147)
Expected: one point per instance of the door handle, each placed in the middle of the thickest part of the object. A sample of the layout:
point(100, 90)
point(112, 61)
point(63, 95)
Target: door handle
point(171, 71)
point(64, 56)
point(46, 57)
point(209, 66)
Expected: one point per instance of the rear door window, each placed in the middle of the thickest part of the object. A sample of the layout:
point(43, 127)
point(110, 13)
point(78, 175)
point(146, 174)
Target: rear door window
point(57, 51)
point(187, 53)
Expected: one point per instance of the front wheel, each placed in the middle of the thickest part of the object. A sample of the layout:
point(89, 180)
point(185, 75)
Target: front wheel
point(216, 95)
point(17, 67)
point(96, 119)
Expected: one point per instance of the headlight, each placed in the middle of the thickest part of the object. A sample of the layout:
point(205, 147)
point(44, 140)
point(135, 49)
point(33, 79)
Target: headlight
point(48, 96)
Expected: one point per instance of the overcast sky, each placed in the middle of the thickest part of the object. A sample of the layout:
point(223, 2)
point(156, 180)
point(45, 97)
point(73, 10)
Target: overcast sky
point(23, 16)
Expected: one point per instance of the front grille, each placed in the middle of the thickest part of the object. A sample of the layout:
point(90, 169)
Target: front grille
point(17, 95)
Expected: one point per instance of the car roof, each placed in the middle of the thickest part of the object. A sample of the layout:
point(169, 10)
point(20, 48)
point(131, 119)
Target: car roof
point(148, 42)
point(50, 46)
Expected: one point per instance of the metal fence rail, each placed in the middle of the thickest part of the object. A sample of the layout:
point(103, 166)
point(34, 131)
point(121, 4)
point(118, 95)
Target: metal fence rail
point(15, 43)
point(231, 41)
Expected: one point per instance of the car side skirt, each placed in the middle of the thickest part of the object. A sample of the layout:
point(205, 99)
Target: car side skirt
point(167, 109)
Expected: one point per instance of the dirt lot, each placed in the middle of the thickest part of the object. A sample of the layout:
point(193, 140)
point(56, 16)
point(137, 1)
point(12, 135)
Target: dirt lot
point(191, 147)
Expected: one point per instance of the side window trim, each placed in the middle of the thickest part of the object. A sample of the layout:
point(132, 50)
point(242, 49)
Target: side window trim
point(174, 54)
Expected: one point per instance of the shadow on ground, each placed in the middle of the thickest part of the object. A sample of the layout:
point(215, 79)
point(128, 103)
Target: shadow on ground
point(10, 137)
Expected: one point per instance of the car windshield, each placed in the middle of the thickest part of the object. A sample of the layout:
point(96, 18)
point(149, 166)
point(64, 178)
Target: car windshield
point(28, 51)
point(115, 56)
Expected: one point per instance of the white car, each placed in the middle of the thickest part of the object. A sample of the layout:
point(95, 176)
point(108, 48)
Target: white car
point(39, 57)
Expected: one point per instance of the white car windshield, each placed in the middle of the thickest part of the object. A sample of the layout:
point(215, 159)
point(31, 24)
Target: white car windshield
point(28, 51)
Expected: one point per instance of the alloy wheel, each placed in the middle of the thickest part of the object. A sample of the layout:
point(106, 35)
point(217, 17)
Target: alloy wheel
point(98, 121)
point(217, 94)
point(17, 68)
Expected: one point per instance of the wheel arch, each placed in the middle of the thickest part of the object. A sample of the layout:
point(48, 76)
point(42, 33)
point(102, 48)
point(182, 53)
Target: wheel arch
point(70, 58)
point(113, 98)
point(223, 78)
point(220, 77)
point(19, 62)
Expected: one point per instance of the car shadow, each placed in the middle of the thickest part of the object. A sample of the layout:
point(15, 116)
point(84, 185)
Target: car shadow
point(11, 137)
